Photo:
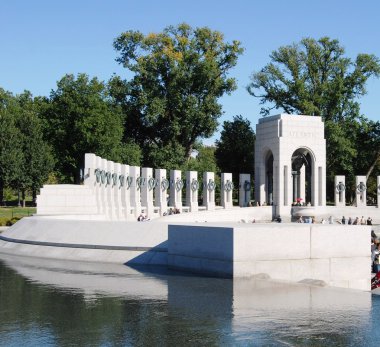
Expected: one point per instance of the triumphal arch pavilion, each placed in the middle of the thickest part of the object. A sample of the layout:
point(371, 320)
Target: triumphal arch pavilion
point(290, 162)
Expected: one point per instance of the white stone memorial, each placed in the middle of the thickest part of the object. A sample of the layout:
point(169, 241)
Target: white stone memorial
point(135, 189)
point(340, 191)
point(284, 145)
point(161, 191)
point(192, 186)
point(103, 180)
point(97, 221)
point(226, 190)
point(176, 186)
point(125, 183)
point(147, 190)
point(110, 191)
point(117, 191)
point(209, 190)
point(361, 191)
point(244, 190)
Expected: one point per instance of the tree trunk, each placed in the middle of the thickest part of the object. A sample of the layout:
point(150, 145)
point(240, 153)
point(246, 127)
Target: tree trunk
point(377, 158)
point(23, 197)
point(18, 197)
point(1, 192)
point(34, 196)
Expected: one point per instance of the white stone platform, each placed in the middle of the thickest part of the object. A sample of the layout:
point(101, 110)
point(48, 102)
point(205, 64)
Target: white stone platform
point(86, 240)
point(337, 255)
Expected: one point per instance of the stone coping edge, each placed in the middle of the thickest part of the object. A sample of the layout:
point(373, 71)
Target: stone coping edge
point(85, 246)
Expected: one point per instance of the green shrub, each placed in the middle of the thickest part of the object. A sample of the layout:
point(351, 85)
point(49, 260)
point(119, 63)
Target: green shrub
point(4, 221)
point(13, 221)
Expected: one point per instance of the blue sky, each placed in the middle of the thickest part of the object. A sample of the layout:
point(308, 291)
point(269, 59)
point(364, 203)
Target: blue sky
point(42, 40)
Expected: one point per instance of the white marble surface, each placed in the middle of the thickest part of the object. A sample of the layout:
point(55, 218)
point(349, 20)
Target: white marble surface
point(336, 255)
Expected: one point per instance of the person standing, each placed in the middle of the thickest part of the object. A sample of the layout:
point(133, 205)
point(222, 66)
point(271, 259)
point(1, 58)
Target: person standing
point(375, 259)
point(343, 220)
point(369, 221)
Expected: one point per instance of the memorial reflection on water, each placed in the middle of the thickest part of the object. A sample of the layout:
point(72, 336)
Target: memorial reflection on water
point(96, 304)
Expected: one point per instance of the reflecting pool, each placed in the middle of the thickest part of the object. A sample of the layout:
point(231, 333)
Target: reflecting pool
point(59, 303)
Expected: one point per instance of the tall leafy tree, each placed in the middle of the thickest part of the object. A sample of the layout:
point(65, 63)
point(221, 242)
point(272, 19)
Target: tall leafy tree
point(235, 150)
point(314, 77)
point(202, 160)
point(10, 142)
point(172, 99)
point(82, 119)
point(37, 157)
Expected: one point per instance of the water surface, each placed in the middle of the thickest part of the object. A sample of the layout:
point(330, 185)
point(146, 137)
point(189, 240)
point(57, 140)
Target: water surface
point(57, 303)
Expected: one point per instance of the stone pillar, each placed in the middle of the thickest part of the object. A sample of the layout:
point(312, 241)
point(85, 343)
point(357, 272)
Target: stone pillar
point(125, 186)
point(103, 190)
point(261, 188)
point(340, 190)
point(110, 191)
point(117, 191)
point(226, 190)
point(98, 184)
point(192, 186)
point(295, 185)
point(176, 185)
point(361, 191)
point(288, 193)
point(136, 183)
point(244, 190)
point(90, 166)
point(147, 190)
point(302, 179)
point(161, 191)
point(378, 191)
point(209, 190)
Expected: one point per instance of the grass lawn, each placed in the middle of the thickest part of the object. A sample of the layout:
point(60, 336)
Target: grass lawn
point(10, 212)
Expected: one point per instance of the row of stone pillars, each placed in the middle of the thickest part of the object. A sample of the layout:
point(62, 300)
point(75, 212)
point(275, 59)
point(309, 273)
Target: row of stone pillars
point(123, 192)
point(360, 190)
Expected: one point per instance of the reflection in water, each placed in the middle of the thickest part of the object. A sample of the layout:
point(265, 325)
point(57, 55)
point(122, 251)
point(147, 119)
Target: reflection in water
point(69, 303)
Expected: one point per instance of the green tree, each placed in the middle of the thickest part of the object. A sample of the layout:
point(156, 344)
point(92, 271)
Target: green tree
point(37, 157)
point(368, 157)
point(82, 119)
point(316, 78)
point(202, 160)
point(10, 142)
point(235, 150)
point(172, 99)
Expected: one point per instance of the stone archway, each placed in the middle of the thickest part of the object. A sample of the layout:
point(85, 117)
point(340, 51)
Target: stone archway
point(290, 162)
point(269, 177)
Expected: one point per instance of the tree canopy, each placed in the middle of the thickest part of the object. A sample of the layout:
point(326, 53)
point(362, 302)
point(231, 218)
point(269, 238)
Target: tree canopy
point(37, 158)
point(172, 99)
point(10, 142)
point(235, 149)
point(82, 119)
point(314, 77)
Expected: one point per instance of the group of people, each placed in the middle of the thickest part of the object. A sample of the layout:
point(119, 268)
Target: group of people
point(357, 221)
point(349, 221)
point(309, 220)
point(142, 218)
point(375, 257)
